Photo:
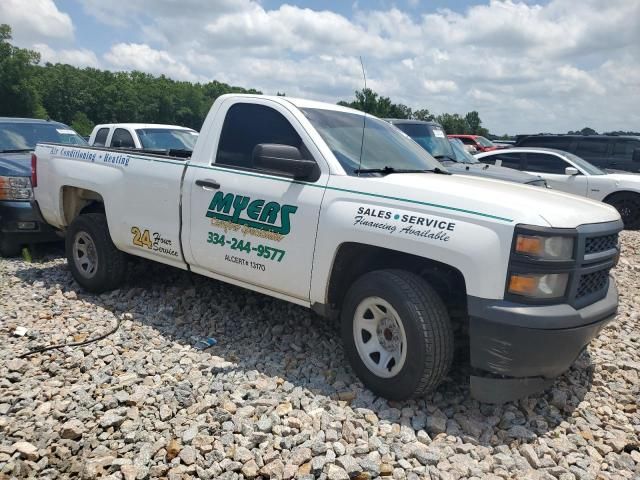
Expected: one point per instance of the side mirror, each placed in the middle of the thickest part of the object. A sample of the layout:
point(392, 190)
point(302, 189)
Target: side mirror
point(571, 171)
point(283, 160)
point(636, 155)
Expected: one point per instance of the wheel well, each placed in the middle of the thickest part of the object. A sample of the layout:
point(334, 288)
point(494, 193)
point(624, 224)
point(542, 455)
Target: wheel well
point(77, 201)
point(355, 259)
point(614, 195)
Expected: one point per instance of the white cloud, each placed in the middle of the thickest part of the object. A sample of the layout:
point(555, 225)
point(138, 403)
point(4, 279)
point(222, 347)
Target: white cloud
point(552, 67)
point(135, 56)
point(80, 57)
point(439, 86)
point(35, 21)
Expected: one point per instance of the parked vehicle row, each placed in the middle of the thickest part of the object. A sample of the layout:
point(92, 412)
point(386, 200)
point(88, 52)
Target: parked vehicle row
point(478, 142)
point(432, 137)
point(569, 173)
point(322, 206)
point(618, 152)
point(18, 137)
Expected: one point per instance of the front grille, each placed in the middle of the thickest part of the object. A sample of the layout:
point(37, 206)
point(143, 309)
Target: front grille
point(600, 244)
point(592, 283)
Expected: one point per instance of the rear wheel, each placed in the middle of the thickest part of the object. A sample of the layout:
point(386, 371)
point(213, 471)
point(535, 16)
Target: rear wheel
point(95, 262)
point(628, 205)
point(397, 334)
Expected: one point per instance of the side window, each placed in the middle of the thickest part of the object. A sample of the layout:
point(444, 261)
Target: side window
point(592, 147)
point(122, 139)
point(101, 137)
point(247, 125)
point(623, 149)
point(509, 160)
point(468, 141)
point(545, 163)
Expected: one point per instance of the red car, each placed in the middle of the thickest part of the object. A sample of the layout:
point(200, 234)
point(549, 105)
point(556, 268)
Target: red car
point(480, 143)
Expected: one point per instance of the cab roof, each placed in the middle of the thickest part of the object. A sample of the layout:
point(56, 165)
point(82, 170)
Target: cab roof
point(29, 120)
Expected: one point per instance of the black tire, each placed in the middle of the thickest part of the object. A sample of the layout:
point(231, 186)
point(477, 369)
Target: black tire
point(9, 247)
point(111, 263)
point(628, 205)
point(424, 317)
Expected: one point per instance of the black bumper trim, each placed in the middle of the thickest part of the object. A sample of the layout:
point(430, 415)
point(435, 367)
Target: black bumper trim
point(522, 348)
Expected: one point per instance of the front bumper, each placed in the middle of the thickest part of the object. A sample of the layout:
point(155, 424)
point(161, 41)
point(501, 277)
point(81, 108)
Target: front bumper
point(519, 349)
point(21, 223)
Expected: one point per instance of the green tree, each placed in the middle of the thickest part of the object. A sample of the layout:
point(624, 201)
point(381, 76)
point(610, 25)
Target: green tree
point(82, 124)
point(424, 115)
point(18, 97)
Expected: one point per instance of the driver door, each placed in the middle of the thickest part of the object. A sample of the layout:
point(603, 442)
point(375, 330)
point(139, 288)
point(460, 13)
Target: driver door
point(247, 224)
point(552, 169)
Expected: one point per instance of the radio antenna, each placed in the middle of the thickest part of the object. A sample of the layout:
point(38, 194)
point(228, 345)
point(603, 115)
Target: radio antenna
point(364, 117)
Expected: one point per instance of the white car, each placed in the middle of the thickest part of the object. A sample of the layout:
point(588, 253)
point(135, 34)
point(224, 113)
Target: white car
point(146, 136)
point(566, 172)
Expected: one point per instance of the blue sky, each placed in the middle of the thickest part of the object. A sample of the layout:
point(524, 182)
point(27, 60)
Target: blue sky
point(526, 66)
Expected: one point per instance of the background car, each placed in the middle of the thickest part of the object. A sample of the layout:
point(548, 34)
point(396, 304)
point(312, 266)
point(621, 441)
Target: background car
point(452, 154)
point(19, 223)
point(146, 136)
point(480, 143)
point(605, 151)
point(570, 173)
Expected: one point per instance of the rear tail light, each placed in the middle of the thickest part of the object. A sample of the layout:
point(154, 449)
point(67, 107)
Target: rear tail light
point(34, 170)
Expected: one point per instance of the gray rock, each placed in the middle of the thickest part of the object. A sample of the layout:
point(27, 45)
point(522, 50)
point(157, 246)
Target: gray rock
point(300, 455)
point(426, 456)
point(335, 472)
point(349, 464)
point(188, 455)
point(112, 418)
point(72, 430)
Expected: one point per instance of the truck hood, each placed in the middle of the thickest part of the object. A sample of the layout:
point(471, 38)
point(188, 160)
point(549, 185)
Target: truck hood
point(522, 204)
point(490, 171)
point(15, 164)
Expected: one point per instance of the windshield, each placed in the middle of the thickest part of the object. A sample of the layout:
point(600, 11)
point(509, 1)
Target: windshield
point(24, 136)
point(484, 142)
point(431, 138)
point(584, 165)
point(167, 139)
point(383, 144)
point(461, 153)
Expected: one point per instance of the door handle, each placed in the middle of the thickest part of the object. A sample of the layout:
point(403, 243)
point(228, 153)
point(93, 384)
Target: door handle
point(208, 184)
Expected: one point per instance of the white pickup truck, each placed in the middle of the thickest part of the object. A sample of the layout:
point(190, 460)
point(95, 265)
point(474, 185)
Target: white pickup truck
point(340, 212)
point(145, 136)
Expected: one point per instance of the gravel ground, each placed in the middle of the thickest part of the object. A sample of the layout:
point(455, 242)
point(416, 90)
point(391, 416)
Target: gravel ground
point(274, 398)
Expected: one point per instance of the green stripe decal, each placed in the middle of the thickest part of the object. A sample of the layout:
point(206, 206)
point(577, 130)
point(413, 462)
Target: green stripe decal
point(337, 189)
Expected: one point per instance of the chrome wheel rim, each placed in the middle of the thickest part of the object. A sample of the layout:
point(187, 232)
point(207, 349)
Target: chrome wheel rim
point(85, 255)
point(379, 336)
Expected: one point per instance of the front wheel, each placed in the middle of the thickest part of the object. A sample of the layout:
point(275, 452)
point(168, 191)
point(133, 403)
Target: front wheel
point(95, 262)
point(628, 206)
point(397, 334)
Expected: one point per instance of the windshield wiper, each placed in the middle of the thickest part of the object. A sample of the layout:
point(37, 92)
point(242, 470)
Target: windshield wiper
point(388, 170)
point(439, 157)
point(17, 150)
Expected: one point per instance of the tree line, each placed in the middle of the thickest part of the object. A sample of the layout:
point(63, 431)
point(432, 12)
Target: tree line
point(84, 97)
point(369, 101)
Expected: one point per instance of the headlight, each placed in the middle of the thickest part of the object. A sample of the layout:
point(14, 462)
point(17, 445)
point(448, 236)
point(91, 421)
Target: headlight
point(538, 285)
point(545, 248)
point(15, 188)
